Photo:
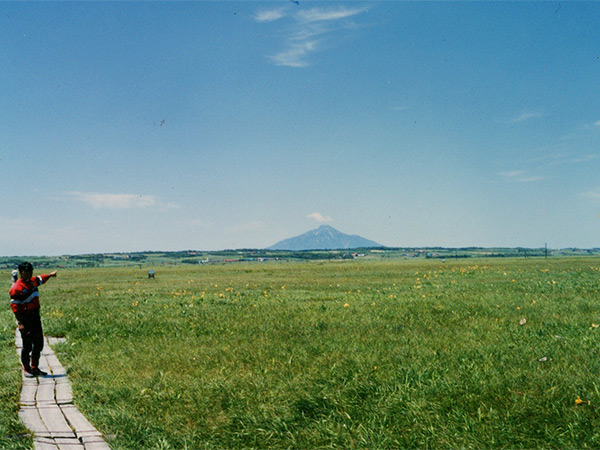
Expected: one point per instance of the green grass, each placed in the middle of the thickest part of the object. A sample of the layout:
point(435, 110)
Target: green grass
point(13, 435)
point(330, 354)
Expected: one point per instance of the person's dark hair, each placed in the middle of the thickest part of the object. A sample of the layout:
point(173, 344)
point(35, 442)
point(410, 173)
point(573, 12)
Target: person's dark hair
point(25, 266)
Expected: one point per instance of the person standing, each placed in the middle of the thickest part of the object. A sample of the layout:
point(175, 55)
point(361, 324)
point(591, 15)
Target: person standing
point(25, 304)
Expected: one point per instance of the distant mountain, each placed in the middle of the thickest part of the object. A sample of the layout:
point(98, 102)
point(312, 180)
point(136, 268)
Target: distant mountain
point(323, 238)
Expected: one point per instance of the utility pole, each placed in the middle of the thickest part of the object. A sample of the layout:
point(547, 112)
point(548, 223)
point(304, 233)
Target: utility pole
point(546, 250)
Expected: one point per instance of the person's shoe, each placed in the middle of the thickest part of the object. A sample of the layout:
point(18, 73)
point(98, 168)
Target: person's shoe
point(37, 372)
point(27, 372)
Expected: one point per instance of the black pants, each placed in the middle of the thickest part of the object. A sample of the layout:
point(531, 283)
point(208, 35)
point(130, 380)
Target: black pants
point(30, 326)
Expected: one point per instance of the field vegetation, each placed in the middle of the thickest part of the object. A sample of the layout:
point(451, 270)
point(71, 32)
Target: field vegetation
point(157, 258)
point(349, 354)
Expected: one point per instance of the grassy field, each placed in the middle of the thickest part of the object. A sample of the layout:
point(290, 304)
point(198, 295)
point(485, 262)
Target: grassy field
point(377, 354)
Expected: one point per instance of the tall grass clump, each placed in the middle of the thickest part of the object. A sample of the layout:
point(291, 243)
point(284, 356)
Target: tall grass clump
point(13, 435)
point(472, 353)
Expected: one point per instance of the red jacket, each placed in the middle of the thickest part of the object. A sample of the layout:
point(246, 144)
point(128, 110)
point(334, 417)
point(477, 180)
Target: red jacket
point(24, 294)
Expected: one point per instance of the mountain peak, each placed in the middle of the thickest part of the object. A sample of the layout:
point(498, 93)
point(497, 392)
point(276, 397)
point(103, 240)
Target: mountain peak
point(325, 237)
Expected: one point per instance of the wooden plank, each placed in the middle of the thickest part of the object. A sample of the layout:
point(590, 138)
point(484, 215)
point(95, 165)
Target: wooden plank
point(47, 347)
point(45, 392)
point(54, 363)
point(42, 443)
point(30, 416)
point(58, 372)
point(56, 423)
point(18, 339)
point(54, 366)
point(69, 444)
point(55, 340)
point(28, 392)
point(78, 422)
point(64, 394)
point(43, 365)
point(94, 443)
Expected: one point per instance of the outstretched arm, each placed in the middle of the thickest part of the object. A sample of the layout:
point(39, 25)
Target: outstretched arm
point(41, 279)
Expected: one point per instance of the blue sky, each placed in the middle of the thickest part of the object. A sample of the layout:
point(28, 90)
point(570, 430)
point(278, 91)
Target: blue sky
point(131, 126)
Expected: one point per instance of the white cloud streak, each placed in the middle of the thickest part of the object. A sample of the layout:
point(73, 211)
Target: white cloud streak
point(520, 176)
point(268, 15)
point(319, 15)
point(320, 217)
point(295, 54)
point(115, 201)
point(524, 116)
point(308, 32)
point(594, 194)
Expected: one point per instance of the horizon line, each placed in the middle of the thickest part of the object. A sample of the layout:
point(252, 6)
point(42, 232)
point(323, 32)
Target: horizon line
point(266, 249)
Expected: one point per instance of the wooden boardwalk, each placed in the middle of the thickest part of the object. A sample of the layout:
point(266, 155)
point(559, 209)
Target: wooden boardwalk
point(48, 411)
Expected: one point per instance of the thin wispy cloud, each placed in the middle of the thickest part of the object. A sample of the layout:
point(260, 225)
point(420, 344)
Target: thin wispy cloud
point(519, 176)
point(526, 115)
point(308, 32)
point(118, 201)
point(319, 14)
point(594, 194)
point(582, 132)
point(268, 15)
point(295, 54)
point(320, 217)
point(583, 159)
